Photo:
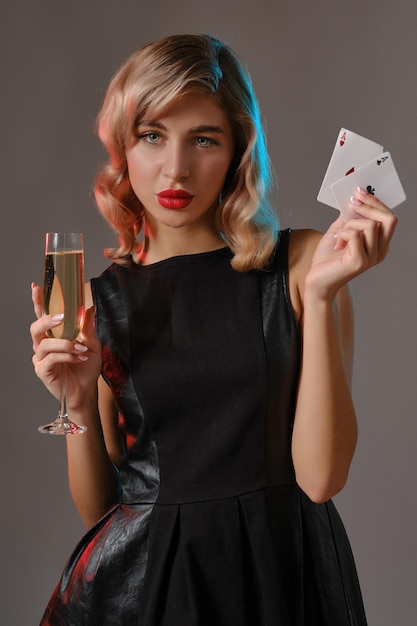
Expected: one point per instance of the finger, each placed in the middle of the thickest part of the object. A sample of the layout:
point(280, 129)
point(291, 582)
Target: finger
point(39, 328)
point(37, 299)
point(372, 208)
point(60, 351)
point(372, 240)
point(355, 250)
point(370, 199)
point(369, 236)
point(48, 369)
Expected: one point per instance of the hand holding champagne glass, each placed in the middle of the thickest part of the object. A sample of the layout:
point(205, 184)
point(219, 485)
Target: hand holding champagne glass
point(63, 293)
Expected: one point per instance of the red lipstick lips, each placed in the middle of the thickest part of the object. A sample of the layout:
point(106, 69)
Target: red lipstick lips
point(174, 198)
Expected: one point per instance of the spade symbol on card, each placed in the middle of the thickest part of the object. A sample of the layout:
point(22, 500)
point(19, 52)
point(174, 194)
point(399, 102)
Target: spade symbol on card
point(379, 177)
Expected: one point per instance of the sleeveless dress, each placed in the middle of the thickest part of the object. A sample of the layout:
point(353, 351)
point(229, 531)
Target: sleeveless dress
point(211, 528)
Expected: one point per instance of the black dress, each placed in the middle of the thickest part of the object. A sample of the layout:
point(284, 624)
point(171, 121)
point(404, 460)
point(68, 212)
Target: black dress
point(211, 528)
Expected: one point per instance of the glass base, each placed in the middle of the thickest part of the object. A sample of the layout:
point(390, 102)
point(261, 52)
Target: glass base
point(62, 426)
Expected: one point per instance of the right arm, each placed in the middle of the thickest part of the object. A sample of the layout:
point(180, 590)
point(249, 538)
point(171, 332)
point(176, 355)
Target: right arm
point(93, 479)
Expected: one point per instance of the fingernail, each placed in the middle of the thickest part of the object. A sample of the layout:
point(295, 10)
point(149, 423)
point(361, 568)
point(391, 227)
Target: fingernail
point(58, 317)
point(80, 347)
point(362, 191)
point(32, 285)
point(82, 357)
point(355, 201)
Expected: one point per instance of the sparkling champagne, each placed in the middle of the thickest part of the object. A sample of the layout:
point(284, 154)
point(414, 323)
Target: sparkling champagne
point(64, 291)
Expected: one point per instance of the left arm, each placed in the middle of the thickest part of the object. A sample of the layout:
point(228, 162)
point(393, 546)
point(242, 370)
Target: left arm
point(325, 430)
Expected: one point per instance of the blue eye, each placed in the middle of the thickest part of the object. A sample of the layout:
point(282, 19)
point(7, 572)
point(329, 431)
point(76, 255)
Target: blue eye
point(150, 137)
point(206, 142)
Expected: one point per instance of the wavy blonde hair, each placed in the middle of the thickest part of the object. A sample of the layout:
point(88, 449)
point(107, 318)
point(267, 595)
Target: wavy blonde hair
point(151, 79)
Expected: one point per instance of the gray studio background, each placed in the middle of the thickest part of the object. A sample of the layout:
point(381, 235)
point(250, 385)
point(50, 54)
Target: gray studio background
point(317, 66)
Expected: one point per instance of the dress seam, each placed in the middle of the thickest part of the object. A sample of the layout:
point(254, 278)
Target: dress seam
point(218, 499)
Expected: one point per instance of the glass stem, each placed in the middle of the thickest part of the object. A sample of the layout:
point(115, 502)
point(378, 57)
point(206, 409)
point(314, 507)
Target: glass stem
point(63, 395)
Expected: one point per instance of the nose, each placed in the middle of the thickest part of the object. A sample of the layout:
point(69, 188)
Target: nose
point(176, 164)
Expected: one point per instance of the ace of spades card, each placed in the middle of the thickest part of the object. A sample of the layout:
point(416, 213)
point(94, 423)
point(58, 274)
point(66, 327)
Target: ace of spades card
point(359, 162)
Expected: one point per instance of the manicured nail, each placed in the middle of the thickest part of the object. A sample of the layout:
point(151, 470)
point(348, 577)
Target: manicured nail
point(355, 201)
point(80, 347)
point(58, 317)
point(362, 191)
point(82, 357)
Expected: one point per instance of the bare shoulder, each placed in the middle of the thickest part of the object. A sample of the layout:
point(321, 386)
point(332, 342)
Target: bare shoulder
point(303, 243)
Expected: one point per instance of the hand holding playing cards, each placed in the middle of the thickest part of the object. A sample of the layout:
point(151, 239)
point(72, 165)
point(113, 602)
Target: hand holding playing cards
point(350, 248)
point(358, 162)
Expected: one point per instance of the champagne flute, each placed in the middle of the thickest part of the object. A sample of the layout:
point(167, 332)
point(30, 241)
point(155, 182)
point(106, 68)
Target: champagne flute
point(63, 292)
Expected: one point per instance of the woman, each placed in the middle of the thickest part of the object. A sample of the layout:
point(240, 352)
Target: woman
point(222, 423)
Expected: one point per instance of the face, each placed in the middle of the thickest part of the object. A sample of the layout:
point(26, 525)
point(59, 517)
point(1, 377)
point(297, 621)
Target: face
point(179, 162)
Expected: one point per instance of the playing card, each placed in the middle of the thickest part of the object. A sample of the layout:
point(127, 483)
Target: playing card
point(350, 153)
point(379, 177)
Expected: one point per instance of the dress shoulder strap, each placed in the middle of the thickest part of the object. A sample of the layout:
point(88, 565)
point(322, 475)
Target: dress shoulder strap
point(274, 285)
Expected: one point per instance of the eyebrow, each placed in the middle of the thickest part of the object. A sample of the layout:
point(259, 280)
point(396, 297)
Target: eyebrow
point(203, 128)
point(207, 128)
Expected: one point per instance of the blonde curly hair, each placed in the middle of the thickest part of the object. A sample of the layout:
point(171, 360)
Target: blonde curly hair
point(152, 78)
